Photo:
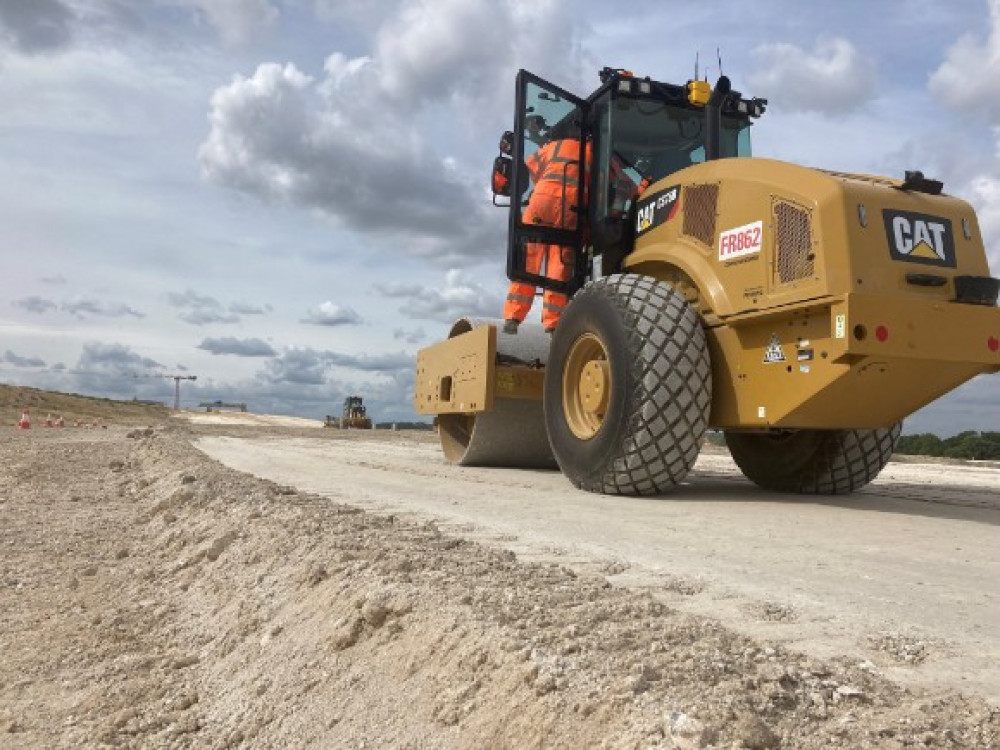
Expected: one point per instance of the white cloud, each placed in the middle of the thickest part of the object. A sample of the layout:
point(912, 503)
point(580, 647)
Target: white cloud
point(82, 307)
point(35, 304)
point(237, 21)
point(414, 336)
point(351, 143)
point(331, 314)
point(308, 366)
point(247, 308)
point(984, 194)
point(460, 296)
point(113, 360)
point(279, 136)
point(444, 46)
point(201, 309)
point(832, 79)
point(969, 78)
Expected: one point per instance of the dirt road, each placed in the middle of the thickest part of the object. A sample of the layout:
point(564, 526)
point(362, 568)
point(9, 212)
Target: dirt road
point(151, 597)
point(905, 574)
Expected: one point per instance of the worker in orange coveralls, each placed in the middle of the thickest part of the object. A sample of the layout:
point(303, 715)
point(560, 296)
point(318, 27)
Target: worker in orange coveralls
point(555, 170)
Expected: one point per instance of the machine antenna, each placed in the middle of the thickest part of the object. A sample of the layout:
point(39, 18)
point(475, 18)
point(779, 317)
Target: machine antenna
point(696, 66)
point(718, 55)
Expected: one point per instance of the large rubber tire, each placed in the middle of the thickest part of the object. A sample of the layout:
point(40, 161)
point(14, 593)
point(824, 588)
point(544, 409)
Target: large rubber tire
point(659, 387)
point(813, 462)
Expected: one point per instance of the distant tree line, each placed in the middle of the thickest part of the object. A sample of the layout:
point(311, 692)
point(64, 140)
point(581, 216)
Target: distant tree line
point(982, 446)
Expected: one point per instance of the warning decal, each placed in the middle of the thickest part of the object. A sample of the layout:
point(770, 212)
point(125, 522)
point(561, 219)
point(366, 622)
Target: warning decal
point(774, 353)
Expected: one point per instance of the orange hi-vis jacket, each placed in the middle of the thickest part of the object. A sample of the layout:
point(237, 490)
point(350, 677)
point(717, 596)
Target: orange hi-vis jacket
point(555, 170)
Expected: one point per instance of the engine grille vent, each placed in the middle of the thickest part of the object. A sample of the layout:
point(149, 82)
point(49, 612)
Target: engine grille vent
point(700, 203)
point(793, 243)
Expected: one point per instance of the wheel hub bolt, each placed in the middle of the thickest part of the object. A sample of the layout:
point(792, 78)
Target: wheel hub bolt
point(594, 386)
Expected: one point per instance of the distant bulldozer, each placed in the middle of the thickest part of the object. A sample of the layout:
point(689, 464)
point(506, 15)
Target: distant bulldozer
point(354, 416)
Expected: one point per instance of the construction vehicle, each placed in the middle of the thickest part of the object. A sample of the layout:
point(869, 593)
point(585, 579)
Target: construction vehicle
point(353, 417)
point(801, 311)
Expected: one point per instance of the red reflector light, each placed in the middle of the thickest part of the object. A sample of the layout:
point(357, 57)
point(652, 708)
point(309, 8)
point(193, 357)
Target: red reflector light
point(882, 334)
point(993, 343)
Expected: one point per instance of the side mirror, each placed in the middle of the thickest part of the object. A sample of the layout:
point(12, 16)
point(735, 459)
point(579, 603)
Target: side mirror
point(500, 179)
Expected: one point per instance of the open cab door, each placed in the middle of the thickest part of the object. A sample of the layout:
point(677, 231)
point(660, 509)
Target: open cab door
point(544, 115)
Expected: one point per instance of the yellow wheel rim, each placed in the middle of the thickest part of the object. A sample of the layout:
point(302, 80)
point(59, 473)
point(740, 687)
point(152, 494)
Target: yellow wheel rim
point(586, 386)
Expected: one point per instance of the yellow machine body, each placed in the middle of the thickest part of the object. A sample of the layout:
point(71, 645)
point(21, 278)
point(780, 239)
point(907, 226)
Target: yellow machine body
point(829, 299)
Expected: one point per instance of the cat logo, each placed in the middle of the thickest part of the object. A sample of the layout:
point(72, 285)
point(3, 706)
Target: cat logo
point(645, 216)
point(657, 209)
point(919, 238)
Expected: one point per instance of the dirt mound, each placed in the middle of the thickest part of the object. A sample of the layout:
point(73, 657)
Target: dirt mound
point(153, 598)
point(73, 407)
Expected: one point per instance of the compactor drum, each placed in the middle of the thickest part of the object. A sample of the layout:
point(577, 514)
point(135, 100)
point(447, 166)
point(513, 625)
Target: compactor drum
point(802, 312)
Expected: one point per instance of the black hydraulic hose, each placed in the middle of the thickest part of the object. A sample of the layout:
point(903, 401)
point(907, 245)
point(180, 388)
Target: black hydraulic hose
point(713, 118)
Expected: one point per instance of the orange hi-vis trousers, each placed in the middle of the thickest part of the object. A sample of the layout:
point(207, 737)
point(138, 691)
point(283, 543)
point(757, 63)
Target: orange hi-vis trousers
point(546, 209)
point(521, 295)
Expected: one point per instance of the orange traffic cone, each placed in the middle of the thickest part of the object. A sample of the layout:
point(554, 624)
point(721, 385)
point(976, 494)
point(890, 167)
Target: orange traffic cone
point(25, 421)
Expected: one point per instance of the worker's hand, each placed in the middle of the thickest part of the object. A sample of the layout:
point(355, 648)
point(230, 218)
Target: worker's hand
point(506, 142)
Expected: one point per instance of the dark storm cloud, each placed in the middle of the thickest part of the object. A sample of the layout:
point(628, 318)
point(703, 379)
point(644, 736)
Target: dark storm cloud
point(35, 304)
point(18, 361)
point(34, 26)
point(238, 347)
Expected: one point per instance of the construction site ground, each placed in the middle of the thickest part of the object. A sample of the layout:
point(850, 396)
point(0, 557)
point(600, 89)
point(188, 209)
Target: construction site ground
point(197, 583)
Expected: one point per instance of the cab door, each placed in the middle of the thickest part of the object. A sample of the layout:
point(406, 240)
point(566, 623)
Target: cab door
point(544, 115)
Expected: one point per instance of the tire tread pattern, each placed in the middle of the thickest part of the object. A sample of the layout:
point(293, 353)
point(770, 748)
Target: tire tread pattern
point(849, 460)
point(674, 387)
point(843, 461)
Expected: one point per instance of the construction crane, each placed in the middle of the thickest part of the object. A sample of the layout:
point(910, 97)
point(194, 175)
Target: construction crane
point(177, 385)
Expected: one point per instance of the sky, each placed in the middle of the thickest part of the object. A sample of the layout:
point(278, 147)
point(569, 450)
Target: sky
point(288, 198)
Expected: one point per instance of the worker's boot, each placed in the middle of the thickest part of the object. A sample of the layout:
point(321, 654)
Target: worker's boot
point(510, 326)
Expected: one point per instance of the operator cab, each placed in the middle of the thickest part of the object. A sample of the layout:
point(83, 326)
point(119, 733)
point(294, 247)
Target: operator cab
point(637, 132)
